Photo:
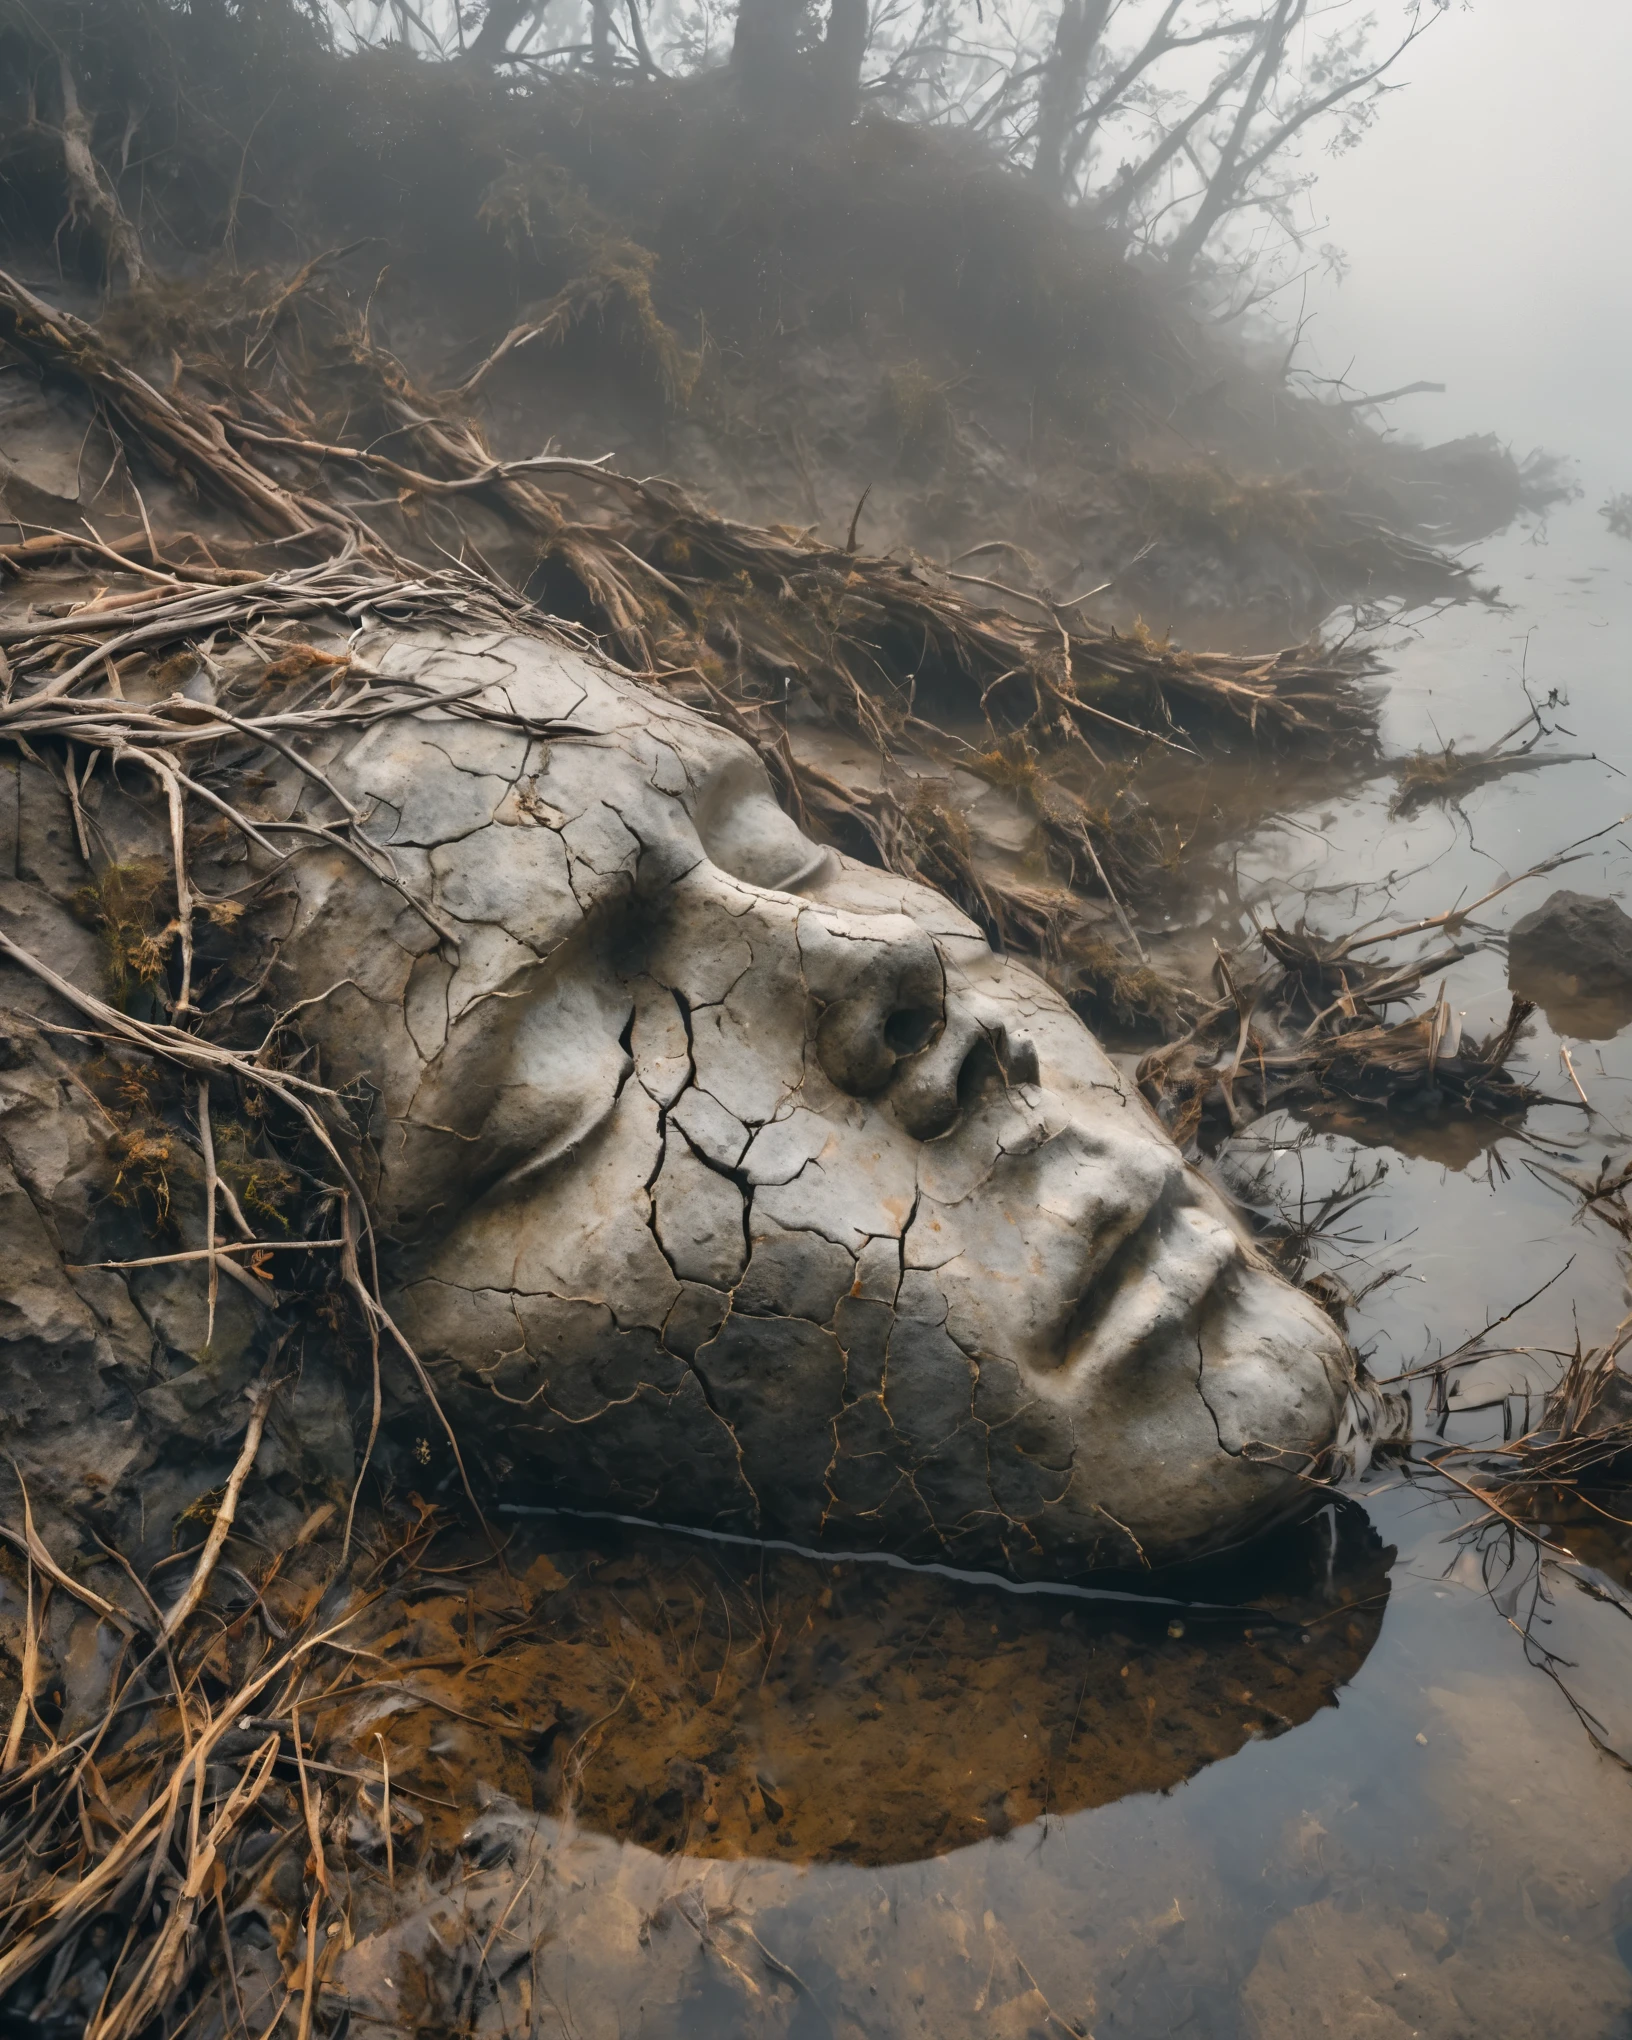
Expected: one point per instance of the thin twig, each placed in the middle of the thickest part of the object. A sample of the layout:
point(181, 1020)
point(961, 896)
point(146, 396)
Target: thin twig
point(260, 1402)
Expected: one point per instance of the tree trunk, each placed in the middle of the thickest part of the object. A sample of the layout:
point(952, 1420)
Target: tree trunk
point(600, 36)
point(765, 49)
point(499, 24)
point(90, 193)
point(1064, 82)
point(843, 50)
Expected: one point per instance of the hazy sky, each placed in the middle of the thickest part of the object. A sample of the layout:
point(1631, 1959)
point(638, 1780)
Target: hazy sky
point(1488, 221)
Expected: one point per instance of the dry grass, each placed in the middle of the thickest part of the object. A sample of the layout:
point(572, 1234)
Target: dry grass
point(126, 1848)
point(132, 904)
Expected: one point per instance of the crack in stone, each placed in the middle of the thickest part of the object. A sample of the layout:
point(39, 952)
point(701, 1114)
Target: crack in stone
point(1201, 1370)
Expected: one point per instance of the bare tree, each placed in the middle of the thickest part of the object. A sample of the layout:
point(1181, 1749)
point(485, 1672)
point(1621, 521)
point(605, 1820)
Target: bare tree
point(1166, 119)
point(1182, 125)
point(1280, 99)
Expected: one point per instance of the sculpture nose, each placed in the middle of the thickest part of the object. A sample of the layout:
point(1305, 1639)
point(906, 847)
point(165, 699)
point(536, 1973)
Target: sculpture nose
point(888, 1023)
point(974, 1055)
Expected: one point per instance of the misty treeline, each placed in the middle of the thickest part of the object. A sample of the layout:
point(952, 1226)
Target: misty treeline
point(1187, 126)
point(1188, 130)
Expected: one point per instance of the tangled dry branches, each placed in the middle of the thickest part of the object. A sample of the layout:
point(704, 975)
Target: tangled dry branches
point(1311, 1027)
point(939, 669)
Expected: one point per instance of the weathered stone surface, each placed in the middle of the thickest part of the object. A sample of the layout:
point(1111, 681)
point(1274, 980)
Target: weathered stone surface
point(721, 1178)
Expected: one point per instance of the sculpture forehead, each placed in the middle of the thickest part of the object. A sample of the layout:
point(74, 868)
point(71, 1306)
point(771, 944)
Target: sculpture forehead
point(607, 790)
point(447, 771)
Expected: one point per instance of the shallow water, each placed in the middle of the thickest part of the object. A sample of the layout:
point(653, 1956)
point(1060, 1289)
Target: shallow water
point(1343, 1796)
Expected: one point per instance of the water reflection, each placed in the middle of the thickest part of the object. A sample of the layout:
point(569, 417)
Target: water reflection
point(731, 1702)
point(1453, 1138)
point(1582, 1015)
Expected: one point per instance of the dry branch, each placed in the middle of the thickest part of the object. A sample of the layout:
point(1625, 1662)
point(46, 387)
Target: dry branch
point(260, 1403)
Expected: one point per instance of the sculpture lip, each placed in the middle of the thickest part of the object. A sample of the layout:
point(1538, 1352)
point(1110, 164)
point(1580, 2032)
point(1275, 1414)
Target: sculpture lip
point(1155, 1283)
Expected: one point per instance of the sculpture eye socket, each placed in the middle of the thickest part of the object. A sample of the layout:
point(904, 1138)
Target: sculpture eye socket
point(746, 834)
point(911, 1029)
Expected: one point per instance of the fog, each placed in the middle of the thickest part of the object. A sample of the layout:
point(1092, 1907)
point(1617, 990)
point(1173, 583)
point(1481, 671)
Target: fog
point(1485, 222)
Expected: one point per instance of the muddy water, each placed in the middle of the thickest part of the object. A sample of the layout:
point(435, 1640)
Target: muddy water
point(1334, 1792)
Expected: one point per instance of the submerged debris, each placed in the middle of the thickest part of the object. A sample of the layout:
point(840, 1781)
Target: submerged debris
point(1602, 1194)
point(1308, 1234)
point(1310, 1029)
point(1448, 774)
point(1555, 1499)
point(1616, 512)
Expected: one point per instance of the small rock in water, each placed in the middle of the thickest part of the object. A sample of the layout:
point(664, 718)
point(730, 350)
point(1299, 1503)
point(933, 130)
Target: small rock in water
point(1572, 935)
point(1573, 958)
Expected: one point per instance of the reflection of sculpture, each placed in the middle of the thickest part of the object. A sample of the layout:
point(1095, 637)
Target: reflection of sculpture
point(722, 1702)
point(734, 1182)
point(742, 1184)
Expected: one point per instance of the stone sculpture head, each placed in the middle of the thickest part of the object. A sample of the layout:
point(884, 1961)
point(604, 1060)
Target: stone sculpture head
point(739, 1184)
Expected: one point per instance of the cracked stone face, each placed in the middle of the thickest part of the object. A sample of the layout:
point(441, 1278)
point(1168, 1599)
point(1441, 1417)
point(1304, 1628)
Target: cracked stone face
point(738, 1184)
